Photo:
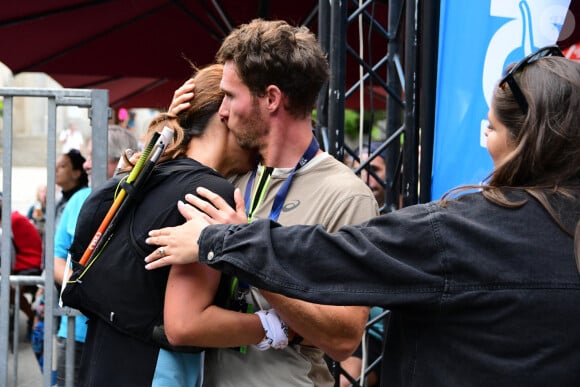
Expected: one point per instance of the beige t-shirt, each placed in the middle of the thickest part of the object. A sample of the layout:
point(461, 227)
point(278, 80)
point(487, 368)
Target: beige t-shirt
point(326, 192)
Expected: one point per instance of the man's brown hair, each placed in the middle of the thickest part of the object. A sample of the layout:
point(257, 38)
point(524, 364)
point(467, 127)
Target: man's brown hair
point(276, 53)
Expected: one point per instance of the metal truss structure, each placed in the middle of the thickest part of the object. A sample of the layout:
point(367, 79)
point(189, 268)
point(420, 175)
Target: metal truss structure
point(398, 65)
point(398, 62)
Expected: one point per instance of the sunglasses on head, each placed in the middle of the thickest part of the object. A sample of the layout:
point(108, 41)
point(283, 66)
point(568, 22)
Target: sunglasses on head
point(511, 81)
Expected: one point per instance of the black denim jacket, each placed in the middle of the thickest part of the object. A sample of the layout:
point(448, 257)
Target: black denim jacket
point(480, 295)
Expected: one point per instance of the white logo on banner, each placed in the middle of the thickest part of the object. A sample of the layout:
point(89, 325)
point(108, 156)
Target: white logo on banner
point(533, 24)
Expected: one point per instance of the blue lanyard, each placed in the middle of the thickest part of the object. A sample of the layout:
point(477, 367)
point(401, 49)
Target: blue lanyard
point(283, 192)
point(238, 287)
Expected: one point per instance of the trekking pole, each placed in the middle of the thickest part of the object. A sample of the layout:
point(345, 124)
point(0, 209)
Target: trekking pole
point(147, 160)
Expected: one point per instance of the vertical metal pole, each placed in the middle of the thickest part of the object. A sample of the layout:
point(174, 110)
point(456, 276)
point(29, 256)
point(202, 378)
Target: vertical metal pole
point(99, 114)
point(50, 296)
point(410, 154)
point(337, 61)
point(429, 51)
point(15, 333)
point(322, 104)
point(394, 112)
point(337, 75)
point(6, 242)
point(69, 374)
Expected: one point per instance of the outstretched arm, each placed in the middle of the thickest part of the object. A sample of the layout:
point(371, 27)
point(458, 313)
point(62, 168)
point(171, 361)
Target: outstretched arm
point(393, 259)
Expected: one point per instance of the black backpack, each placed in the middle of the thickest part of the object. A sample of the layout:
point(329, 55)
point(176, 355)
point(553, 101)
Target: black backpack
point(123, 293)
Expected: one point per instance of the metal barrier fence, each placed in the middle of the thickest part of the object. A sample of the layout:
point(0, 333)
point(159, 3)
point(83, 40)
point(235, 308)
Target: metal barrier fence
point(96, 101)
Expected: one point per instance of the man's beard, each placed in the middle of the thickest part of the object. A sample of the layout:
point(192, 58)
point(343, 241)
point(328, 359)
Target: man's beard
point(252, 130)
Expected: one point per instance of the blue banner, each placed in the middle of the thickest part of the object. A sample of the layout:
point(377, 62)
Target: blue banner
point(477, 39)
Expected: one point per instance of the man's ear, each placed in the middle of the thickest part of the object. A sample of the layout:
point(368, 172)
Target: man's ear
point(274, 97)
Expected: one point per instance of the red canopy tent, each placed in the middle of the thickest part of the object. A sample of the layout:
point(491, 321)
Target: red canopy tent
point(139, 50)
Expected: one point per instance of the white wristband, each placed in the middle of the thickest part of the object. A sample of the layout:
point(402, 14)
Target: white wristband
point(275, 329)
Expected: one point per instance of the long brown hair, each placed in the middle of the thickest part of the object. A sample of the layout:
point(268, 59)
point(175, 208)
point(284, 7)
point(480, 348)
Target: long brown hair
point(546, 158)
point(193, 121)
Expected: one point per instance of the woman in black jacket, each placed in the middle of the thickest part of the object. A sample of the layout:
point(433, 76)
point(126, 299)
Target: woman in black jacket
point(482, 285)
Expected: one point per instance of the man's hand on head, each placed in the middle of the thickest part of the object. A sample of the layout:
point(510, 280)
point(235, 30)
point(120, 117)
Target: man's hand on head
point(182, 98)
